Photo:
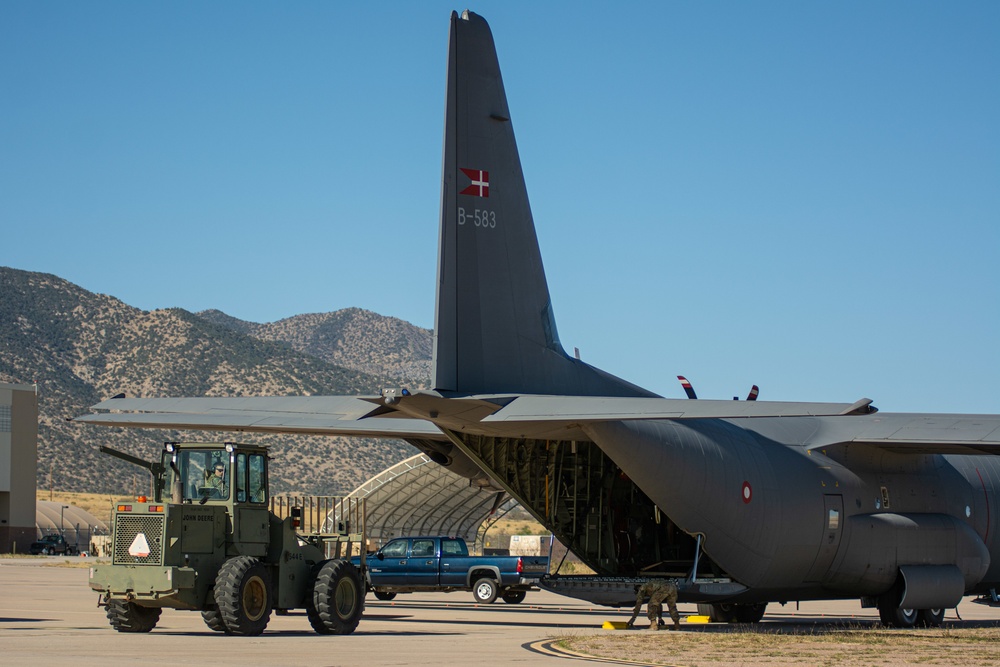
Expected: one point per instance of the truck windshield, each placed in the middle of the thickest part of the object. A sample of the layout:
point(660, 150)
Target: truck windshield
point(204, 473)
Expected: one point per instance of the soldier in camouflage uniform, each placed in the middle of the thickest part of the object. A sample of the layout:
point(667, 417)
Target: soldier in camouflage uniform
point(657, 591)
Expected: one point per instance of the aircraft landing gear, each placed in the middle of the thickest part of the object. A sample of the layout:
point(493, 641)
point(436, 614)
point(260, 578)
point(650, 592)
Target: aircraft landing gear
point(733, 613)
point(893, 616)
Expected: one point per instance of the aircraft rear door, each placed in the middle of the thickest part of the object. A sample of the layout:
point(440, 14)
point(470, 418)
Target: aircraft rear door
point(833, 526)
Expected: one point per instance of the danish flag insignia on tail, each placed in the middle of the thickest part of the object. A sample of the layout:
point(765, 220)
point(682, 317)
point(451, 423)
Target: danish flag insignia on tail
point(480, 183)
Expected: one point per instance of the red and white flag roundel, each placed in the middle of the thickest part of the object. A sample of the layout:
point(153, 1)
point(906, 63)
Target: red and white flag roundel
point(480, 183)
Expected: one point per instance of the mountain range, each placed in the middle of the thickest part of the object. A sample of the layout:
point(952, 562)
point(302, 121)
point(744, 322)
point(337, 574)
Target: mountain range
point(80, 347)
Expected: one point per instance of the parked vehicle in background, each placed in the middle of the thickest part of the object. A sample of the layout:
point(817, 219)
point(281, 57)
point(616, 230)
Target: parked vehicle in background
point(443, 564)
point(53, 545)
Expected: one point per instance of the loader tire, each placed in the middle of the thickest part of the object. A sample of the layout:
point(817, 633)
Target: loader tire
point(130, 617)
point(243, 596)
point(337, 600)
point(213, 619)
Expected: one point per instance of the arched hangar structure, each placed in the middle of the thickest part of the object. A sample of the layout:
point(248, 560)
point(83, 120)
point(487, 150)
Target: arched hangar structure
point(420, 497)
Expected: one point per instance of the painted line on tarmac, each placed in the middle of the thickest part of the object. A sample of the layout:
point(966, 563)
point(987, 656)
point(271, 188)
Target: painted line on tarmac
point(548, 647)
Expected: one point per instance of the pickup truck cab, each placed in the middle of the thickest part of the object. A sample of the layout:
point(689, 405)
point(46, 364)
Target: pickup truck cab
point(52, 544)
point(410, 564)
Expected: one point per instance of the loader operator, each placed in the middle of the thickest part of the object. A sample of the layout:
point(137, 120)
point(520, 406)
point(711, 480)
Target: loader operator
point(217, 481)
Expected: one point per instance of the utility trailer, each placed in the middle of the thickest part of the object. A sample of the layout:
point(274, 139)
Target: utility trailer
point(216, 546)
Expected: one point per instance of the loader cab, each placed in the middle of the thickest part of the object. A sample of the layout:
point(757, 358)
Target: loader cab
point(216, 473)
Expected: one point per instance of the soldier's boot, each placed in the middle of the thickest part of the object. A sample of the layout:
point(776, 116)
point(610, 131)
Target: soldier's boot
point(653, 616)
point(676, 618)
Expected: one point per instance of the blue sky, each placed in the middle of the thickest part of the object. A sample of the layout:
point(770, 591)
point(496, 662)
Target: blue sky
point(800, 195)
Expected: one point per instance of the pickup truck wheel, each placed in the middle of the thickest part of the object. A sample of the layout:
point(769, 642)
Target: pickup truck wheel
point(130, 617)
point(385, 595)
point(337, 600)
point(243, 595)
point(485, 591)
point(513, 597)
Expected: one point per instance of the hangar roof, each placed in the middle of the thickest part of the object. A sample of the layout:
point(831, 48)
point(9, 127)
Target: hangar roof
point(420, 497)
point(47, 518)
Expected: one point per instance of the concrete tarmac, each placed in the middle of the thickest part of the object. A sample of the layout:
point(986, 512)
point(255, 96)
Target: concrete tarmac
point(48, 615)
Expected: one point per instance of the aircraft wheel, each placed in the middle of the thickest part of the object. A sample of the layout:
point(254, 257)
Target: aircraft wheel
point(705, 610)
point(513, 597)
point(337, 600)
point(725, 612)
point(750, 613)
point(485, 591)
point(243, 596)
point(385, 595)
point(130, 617)
point(930, 618)
point(891, 614)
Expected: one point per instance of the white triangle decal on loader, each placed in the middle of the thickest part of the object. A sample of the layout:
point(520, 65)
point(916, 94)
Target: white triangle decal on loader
point(140, 547)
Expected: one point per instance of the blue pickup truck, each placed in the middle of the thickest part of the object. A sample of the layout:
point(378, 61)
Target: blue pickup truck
point(410, 564)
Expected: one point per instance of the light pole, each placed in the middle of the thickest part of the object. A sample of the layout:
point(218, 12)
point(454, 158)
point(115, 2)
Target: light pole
point(61, 509)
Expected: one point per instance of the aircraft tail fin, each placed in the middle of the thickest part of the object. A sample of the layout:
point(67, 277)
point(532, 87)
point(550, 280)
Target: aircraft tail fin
point(494, 327)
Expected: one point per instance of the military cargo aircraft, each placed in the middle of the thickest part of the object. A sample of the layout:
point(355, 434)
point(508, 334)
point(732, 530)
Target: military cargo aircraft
point(745, 502)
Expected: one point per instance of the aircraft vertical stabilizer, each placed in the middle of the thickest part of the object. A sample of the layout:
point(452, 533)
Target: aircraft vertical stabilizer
point(494, 327)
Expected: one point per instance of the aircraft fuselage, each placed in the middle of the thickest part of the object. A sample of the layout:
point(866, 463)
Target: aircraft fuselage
point(791, 518)
point(786, 508)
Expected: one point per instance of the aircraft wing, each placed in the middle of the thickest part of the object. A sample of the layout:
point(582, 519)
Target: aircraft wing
point(413, 415)
point(313, 415)
point(841, 423)
point(932, 434)
point(596, 408)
